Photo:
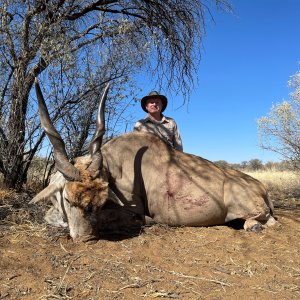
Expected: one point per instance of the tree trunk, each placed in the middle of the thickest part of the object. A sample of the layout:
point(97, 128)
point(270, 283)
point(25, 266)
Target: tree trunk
point(15, 179)
point(14, 171)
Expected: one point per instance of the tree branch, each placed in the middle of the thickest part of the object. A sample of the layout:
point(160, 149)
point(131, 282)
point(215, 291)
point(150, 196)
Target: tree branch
point(7, 33)
point(92, 7)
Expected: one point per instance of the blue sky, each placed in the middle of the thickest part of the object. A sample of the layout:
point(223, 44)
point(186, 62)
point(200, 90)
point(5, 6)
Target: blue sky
point(247, 59)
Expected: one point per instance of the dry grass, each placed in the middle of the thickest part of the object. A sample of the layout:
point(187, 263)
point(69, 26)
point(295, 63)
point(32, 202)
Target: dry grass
point(283, 187)
point(284, 183)
point(18, 217)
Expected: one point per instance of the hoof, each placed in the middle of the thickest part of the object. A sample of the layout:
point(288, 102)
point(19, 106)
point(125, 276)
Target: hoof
point(253, 225)
point(256, 228)
point(271, 222)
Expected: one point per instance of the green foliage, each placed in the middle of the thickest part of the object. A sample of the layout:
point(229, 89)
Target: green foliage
point(257, 165)
point(222, 163)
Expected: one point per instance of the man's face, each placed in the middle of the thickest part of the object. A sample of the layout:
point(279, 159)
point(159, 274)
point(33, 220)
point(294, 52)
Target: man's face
point(154, 105)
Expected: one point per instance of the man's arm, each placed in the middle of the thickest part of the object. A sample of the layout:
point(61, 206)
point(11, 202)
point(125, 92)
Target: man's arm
point(177, 138)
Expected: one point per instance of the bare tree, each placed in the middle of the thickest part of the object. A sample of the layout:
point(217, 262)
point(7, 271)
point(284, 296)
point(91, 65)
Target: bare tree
point(279, 131)
point(37, 34)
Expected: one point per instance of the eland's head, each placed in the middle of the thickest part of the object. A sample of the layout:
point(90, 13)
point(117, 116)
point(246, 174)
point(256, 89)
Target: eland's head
point(82, 188)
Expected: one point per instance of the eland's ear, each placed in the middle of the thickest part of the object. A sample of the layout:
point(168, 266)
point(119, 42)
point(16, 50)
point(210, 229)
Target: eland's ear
point(114, 198)
point(57, 183)
point(45, 194)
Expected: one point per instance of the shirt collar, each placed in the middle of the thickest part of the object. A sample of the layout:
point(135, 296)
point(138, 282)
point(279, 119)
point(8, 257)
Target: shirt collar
point(163, 120)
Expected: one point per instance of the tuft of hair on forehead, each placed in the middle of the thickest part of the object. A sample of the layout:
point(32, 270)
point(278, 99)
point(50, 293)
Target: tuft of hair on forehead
point(88, 192)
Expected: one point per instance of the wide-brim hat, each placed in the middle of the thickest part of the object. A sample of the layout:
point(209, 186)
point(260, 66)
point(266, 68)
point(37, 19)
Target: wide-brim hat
point(154, 94)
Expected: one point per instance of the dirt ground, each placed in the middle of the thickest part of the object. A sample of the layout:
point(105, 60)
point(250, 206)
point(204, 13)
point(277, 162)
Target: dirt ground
point(40, 262)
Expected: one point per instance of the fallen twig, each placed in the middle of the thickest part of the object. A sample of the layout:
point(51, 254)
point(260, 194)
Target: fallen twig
point(201, 278)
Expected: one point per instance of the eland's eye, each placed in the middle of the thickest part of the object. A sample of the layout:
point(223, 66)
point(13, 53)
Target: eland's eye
point(89, 208)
